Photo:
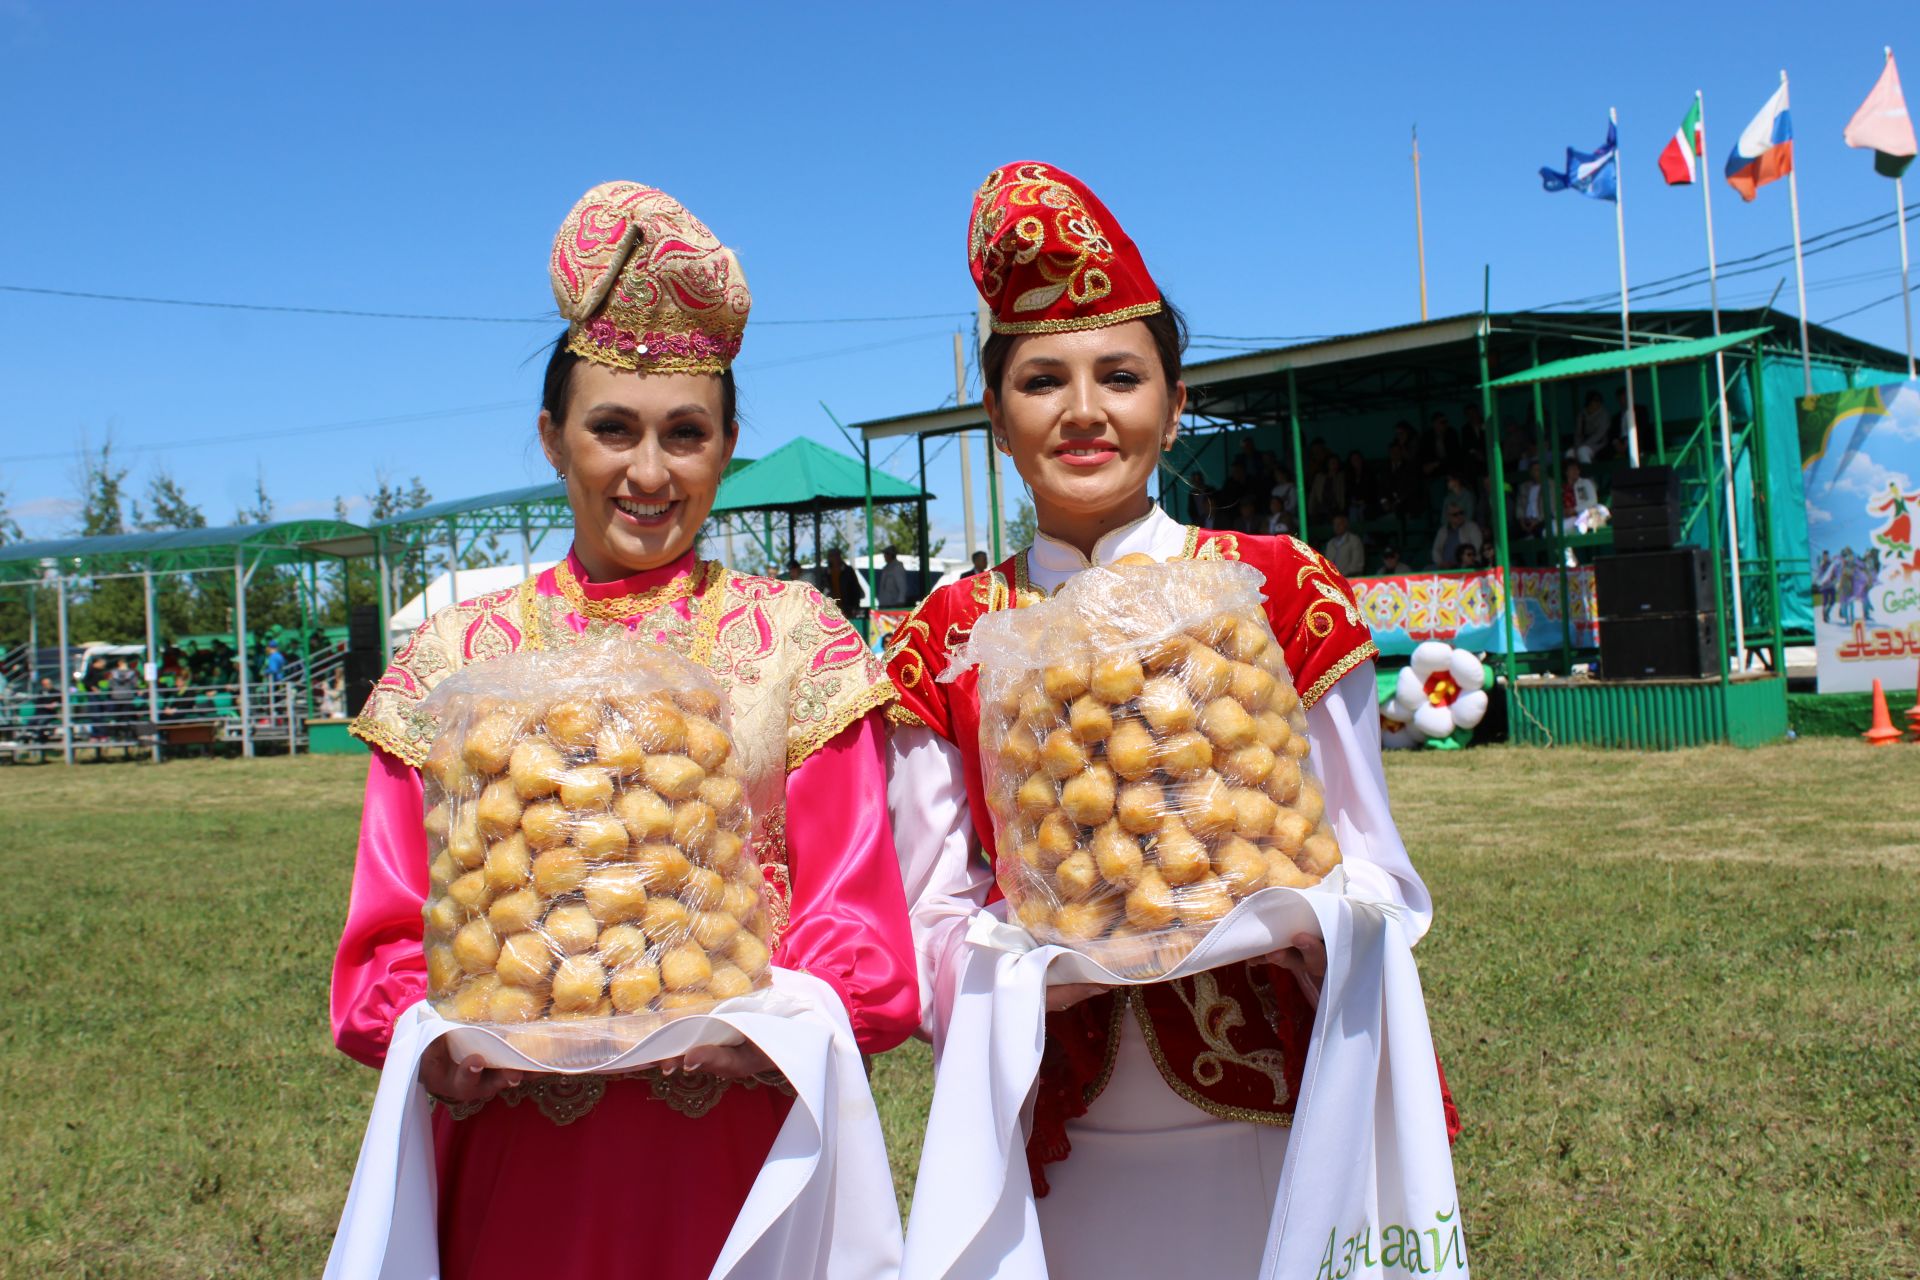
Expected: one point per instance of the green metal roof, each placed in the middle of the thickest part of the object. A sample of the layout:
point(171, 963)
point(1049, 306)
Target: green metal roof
point(804, 476)
point(171, 550)
point(1636, 358)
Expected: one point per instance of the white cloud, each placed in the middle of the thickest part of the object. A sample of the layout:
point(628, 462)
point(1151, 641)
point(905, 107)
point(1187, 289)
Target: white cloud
point(1816, 515)
point(45, 509)
point(1869, 479)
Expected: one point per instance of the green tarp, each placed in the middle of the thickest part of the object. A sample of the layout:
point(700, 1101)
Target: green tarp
point(804, 476)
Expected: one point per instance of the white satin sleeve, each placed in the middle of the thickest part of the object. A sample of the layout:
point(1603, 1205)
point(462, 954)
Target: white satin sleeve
point(945, 876)
point(1344, 728)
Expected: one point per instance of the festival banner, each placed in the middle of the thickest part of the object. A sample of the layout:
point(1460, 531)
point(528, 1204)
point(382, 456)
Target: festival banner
point(1464, 610)
point(1860, 452)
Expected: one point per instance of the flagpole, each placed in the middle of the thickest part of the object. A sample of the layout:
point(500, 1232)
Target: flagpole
point(1720, 373)
point(1799, 266)
point(1900, 212)
point(1420, 228)
point(1631, 423)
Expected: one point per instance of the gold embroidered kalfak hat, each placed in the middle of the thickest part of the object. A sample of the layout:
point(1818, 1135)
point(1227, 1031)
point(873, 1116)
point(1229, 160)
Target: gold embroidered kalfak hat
point(645, 285)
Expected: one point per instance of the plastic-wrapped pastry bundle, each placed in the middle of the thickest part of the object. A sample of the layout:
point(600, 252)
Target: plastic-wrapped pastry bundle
point(1146, 759)
point(589, 834)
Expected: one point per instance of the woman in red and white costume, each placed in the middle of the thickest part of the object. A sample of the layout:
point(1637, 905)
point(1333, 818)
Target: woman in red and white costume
point(1161, 1110)
point(569, 1175)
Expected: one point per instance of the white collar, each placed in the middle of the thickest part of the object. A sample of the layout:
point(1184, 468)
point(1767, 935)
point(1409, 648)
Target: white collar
point(1051, 562)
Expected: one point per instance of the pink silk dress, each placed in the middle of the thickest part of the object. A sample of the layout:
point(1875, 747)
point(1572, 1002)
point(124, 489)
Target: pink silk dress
point(573, 1176)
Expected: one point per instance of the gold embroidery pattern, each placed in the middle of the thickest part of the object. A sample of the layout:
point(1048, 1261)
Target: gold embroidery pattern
point(1072, 323)
point(836, 718)
point(1098, 1085)
point(913, 667)
point(899, 714)
point(1215, 1021)
point(1308, 697)
point(563, 1099)
point(771, 842)
point(637, 605)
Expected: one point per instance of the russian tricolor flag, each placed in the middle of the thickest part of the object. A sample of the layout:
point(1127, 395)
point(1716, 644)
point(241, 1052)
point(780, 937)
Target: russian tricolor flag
point(1764, 152)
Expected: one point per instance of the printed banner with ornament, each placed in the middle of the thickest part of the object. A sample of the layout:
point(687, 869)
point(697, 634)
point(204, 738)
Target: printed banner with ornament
point(1860, 458)
point(1463, 609)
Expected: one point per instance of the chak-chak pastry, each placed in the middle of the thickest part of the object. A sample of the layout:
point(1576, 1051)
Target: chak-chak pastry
point(1226, 724)
point(1089, 719)
point(559, 871)
point(1205, 901)
point(545, 824)
point(1290, 832)
point(1165, 704)
point(615, 894)
point(509, 863)
point(1253, 813)
point(587, 787)
point(749, 952)
point(645, 814)
point(1076, 876)
point(464, 844)
point(694, 825)
point(703, 888)
point(1207, 674)
point(727, 982)
point(699, 702)
point(707, 743)
point(441, 871)
point(1056, 838)
point(1063, 755)
point(578, 983)
point(443, 968)
point(1247, 641)
point(526, 960)
point(657, 724)
point(1019, 750)
point(1283, 874)
point(723, 855)
point(1166, 655)
point(666, 920)
point(1271, 730)
point(663, 865)
point(1089, 798)
point(625, 944)
point(1140, 807)
point(535, 768)
point(515, 912)
point(1319, 853)
point(1150, 901)
point(516, 1004)
point(600, 836)
point(1283, 784)
point(476, 948)
point(1085, 921)
point(714, 929)
point(1064, 681)
point(617, 747)
point(685, 968)
point(1035, 914)
point(1117, 680)
point(1039, 712)
point(1186, 756)
point(489, 743)
point(633, 987)
point(1297, 746)
point(1285, 699)
point(1036, 795)
point(1207, 807)
point(675, 777)
point(470, 1002)
point(445, 765)
point(1249, 766)
point(470, 891)
point(438, 820)
point(1252, 688)
point(572, 722)
point(1216, 631)
point(1181, 858)
point(1117, 855)
point(724, 795)
point(442, 916)
point(1241, 866)
point(741, 898)
point(1131, 750)
point(1311, 803)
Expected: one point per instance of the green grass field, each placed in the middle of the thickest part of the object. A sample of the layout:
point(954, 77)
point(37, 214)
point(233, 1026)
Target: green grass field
point(1675, 995)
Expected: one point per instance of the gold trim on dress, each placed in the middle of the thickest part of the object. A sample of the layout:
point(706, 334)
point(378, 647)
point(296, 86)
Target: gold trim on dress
point(816, 736)
point(373, 733)
point(638, 604)
point(1367, 650)
point(1186, 1090)
point(903, 717)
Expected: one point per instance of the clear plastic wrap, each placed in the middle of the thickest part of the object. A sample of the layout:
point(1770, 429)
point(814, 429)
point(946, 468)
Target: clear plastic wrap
point(590, 841)
point(1145, 758)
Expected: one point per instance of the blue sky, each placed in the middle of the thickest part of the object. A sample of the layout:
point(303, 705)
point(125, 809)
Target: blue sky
point(417, 158)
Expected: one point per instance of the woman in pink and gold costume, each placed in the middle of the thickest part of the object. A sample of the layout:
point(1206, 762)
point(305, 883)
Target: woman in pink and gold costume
point(638, 418)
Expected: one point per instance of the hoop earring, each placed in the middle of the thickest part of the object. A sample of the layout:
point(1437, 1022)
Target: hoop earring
point(559, 475)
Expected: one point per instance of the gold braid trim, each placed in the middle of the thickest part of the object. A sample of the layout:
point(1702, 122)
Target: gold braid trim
point(816, 736)
point(1073, 324)
point(900, 716)
point(373, 733)
point(1098, 1085)
point(564, 1099)
point(622, 608)
point(1187, 1091)
point(1366, 650)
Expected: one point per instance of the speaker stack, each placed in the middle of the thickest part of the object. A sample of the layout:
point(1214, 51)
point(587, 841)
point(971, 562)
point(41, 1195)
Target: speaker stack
point(366, 656)
point(1655, 598)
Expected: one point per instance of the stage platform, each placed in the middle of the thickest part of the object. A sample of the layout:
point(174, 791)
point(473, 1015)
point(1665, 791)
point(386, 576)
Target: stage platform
point(1648, 715)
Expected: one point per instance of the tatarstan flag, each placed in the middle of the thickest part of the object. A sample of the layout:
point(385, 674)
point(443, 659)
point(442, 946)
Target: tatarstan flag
point(1676, 161)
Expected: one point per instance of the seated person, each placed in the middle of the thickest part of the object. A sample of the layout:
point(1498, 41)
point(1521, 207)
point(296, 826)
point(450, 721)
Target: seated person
point(1530, 504)
point(1390, 564)
point(1457, 495)
point(1344, 548)
point(1470, 557)
point(1458, 531)
point(1592, 430)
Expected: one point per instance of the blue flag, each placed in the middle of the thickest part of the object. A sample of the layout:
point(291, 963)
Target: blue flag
point(1590, 175)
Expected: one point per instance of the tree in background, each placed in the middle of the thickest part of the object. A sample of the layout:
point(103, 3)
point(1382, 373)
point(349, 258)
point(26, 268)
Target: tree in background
point(1021, 528)
point(14, 609)
point(106, 609)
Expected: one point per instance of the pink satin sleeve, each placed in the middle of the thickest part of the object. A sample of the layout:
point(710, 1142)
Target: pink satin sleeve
point(847, 920)
point(380, 968)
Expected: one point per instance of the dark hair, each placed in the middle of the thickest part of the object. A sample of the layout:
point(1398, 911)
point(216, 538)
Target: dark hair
point(556, 388)
point(1167, 327)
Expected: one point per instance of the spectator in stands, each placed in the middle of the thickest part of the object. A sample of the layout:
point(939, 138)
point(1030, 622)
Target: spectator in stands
point(1440, 451)
point(1643, 423)
point(1200, 500)
point(1470, 556)
point(1287, 494)
point(1344, 548)
point(1360, 499)
point(794, 572)
point(1577, 497)
point(1457, 495)
point(333, 698)
point(1279, 519)
point(1456, 532)
point(1404, 492)
point(1473, 441)
point(1390, 564)
point(276, 662)
point(1228, 512)
point(979, 562)
point(1259, 479)
point(1328, 496)
point(1592, 431)
point(892, 586)
point(842, 584)
point(1530, 506)
point(122, 686)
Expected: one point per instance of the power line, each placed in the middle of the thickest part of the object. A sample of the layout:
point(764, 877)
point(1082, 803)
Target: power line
point(358, 314)
point(357, 424)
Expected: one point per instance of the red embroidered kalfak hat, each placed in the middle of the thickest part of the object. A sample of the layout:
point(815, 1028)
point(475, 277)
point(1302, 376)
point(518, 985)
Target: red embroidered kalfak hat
point(1048, 257)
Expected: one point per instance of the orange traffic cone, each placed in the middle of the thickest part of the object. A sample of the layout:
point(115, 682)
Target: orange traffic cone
point(1913, 712)
point(1882, 734)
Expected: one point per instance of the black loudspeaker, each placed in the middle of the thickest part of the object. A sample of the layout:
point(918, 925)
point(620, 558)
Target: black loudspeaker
point(1660, 646)
point(1676, 581)
point(1645, 502)
point(363, 628)
point(361, 671)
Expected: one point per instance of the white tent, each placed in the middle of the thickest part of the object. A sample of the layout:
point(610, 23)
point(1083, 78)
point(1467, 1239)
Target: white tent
point(472, 582)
